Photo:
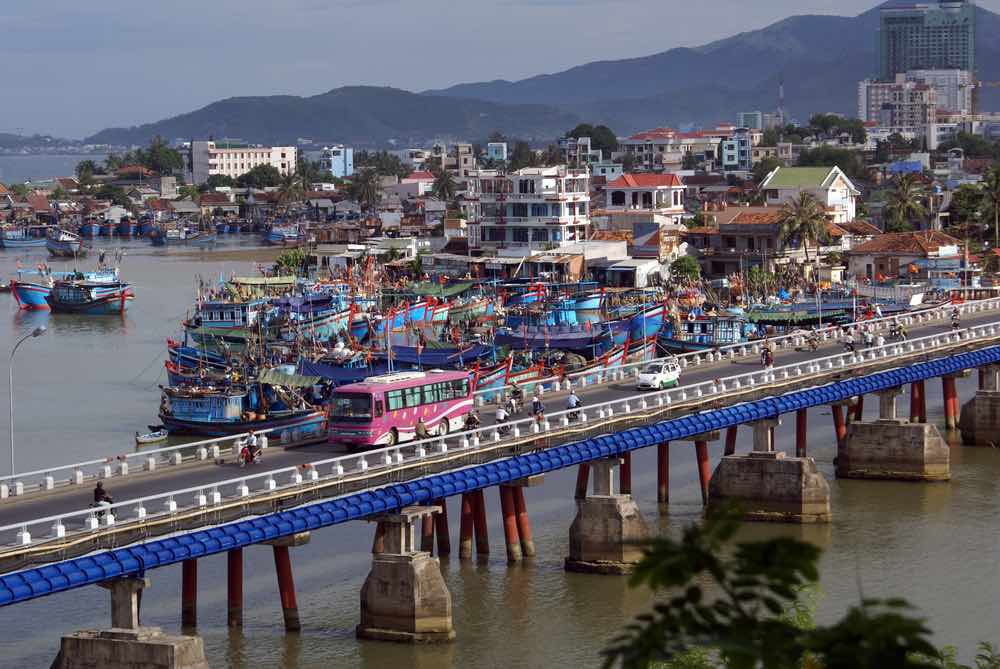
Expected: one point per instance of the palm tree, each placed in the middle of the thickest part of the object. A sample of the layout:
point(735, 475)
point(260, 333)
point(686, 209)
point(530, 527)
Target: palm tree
point(366, 188)
point(804, 220)
point(290, 189)
point(991, 199)
point(444, 187)
point(905, 205)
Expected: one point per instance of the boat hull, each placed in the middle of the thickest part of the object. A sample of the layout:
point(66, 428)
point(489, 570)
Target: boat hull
point(30, 295)
point(103, 306)
point(65, 249)
point(291, 430)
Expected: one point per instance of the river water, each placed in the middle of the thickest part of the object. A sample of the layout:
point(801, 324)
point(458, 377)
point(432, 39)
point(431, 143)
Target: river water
point(36, 167)
point(89, 383)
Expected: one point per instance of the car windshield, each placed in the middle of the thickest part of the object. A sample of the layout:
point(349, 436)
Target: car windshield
point(652, 369)
point(351, 407)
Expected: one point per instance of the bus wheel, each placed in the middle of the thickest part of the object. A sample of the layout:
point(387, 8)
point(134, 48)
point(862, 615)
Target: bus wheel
point(393, 437)
point(443, 427)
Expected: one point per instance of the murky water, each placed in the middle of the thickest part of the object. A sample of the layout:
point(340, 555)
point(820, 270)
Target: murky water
point(86, 386)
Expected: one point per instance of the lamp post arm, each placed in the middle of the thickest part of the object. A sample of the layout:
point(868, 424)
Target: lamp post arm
point(10, 393)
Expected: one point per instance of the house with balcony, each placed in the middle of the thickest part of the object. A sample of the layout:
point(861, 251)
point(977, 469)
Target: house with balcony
point(661, 194)
point(834, 190)
point(532, 209)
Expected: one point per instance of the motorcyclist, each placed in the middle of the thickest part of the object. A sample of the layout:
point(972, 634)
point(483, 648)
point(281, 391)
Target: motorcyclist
point(956, 318)
point(472, 420)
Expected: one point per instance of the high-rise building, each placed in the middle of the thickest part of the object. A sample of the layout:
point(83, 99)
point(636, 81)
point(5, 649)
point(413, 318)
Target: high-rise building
point(753, 120)
point(935, 35)
point(903, 104)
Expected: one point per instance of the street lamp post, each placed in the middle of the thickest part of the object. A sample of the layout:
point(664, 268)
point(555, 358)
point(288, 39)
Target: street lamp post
point(37, 332)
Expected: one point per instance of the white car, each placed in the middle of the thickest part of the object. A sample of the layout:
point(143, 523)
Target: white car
point(659, 375)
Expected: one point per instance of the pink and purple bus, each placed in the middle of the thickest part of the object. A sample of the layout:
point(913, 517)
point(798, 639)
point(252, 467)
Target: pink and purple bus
point(384, 410)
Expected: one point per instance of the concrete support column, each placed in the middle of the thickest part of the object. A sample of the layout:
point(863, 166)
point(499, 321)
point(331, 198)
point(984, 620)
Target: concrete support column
point(608, 527)
point(763, 435)
point(427, 534)
point(989, 378)
point(511, 536)
point(731, 440)
point(859, 409)
point(893, 449)
point(582, 480)
point(663, 473)
point(801, 432)
point(125, 601)
point(769, 486)
point(234, 591)
point(404, 598)
point(378, 542)
point(704, 468)
point(465, 528)
point(952, 408)
point(887, 403)
point(839, 423)
point(189, 593)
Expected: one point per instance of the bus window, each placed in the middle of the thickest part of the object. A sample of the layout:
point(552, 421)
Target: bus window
point(432, 393)
point(411, 397)
point(378, 408)
point(394, 399)
point(351, 407)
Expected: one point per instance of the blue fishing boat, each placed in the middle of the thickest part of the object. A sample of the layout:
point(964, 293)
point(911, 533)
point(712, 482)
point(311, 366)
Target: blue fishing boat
point(646, 323)
point(224, 322)
point(65, 244)
point(201, 238)
point(454, 357)
point(31, 294)
point(284, 235)
point(145, 227)
point(92, 298)
point(571, 338)
point(700, 330)
point(222, 228)
point(211, 412)
point(126, 227)
point(194, 358)
point(20, 238)
point(106, 228)
point(90, 229)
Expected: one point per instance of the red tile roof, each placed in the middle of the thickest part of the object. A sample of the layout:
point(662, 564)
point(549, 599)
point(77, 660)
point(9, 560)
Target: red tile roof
point(756, 218)
point(215, 198)
point(38, 202)
point(703, 230)
point(421, 176)
point(667, 180)
point(156, 204)
point(133, 170)
point(3, 189)
point(906, 243)
point(860, 227)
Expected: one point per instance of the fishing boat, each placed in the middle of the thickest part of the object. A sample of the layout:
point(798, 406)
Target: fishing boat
point(201, 238)
point(455, 357)
point(90, 229)
point(20, 238)
point(65, 244)
point(146, 226)
point(151, 437)
point(571, 338)
point(230, 323)
point(523, 294)
point(90, 297)
point(31, 294)
point(106, 228)
point(222, 228)
point(284, 235)
point(194, 358)
point(213, 412)
point(126, 227)
point(700, 330)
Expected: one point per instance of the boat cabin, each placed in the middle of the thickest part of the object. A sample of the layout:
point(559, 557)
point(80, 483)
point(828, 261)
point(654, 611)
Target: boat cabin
point(225, 314)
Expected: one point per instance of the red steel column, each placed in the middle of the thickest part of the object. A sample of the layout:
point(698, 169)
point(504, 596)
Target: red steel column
point(839, 424)
point(441, 528)
point(704, 471)
point(950, 391)
point(801, 425)
point(378, 543)
point(286, 588)
point(479, 522)
point(523, 522)
point(234, 560)
point(625, 474)
point(510, 534)
point(465, 528)
point(427, 534)
point(663, 473)
point(731, 440)
point(582, 479)
point(189, 592)
point(859, 409)
point(918, 403)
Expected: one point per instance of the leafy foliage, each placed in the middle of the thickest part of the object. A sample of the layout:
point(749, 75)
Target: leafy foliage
point(974, 146)
point(444, 187)
point(290, 262)
point(822, 156)
point(261, 176)
point(905, 207)
point(765, 166)
point(115, 194)
point(686, 267)
point(802, 220)
point(383, 163)
point(744, 620)
point(601, 137)
point(366, 188)
point(219, 180)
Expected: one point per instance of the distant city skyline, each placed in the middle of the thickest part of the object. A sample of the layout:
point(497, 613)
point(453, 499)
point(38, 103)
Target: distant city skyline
point(72, 69)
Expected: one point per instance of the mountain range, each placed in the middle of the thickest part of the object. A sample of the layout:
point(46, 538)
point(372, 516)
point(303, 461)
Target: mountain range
point(820, 60)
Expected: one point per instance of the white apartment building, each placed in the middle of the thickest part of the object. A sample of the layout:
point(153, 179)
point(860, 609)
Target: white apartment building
point(661, 194)
point(954, 88)
point(900, 104)
point(208, 159)
point(834, 190)
point(666, 146)
point(532, 209)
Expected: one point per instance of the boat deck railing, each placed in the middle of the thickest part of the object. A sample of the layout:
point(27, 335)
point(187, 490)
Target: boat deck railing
point(397, 460)
point(619, 373)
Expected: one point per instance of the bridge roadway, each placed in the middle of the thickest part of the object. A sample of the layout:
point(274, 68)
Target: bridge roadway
point(66, 499)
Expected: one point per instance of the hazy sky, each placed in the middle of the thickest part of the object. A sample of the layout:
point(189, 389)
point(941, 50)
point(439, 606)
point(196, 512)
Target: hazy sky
point(72, 68)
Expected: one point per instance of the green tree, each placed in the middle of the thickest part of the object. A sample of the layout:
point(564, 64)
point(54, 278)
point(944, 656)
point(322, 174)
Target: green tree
point(115, 194)
point(974, 146)
point(188, 192)
point(521, 156)
point(384, 163)
point(86, 169)
point(218, 180)
point(765, 166)
point(262, 176)
point(20, 190)
point(904, 207)
point(290, 262)
point(689, 162)
point(601, 137)
point(734, 600)
point(802, 220)
point(290, 189)
point(966, 201)
point(310, 172)
point(444, 187)
point(685, 266)
point(58, 194)
point(849, 161)
point(991, 199)
point(366, 189)
point(160, 157)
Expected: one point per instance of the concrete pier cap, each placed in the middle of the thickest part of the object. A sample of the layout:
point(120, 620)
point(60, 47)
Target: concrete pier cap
point(405, 599)
point(608, 530)
point(894, 449)
point(771, 486)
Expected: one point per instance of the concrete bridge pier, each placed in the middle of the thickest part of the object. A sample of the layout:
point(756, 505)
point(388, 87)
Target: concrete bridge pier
point(769, 486)
point(127, 645)
point(980, 417)
point(892, 448)
point(404, 598)
point(949, 388)
point(286, 584)
point(604, 536)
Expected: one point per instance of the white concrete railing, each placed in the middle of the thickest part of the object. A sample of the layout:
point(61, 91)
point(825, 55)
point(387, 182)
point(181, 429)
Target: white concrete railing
point(149, 460)
point(248, 487)
point(734, 351)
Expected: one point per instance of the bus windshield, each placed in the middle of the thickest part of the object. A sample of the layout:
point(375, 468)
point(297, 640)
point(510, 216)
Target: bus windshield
point(351, 407)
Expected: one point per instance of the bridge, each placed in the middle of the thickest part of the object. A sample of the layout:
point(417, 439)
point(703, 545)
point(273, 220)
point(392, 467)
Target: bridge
point(199, 503)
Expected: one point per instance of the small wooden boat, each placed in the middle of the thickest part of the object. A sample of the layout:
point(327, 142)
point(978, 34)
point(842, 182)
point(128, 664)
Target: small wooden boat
point(65, 244)
point(151, 437)
point(20, 239)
